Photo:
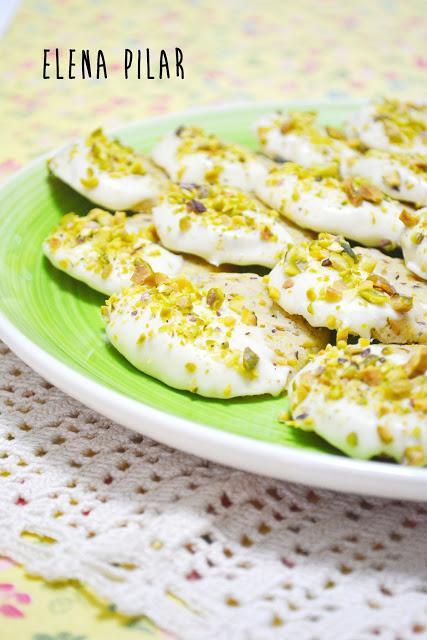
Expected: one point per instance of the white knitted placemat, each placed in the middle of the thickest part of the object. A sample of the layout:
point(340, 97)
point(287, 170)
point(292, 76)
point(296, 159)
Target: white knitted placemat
point(205, 551)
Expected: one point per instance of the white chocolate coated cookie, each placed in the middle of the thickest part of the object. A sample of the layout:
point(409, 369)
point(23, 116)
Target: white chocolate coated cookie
point(414, 243)
point(219, 337)
point(296, 137)
point(391, 125)
point(221, 225)
point(108, 173)
point(366, 401)
point(103, 249)
point(317, 199)
point(356, 291)
point(403, 177)
point(189, 155)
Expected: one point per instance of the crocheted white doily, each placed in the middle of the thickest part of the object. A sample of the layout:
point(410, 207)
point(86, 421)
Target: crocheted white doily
point(205, 551)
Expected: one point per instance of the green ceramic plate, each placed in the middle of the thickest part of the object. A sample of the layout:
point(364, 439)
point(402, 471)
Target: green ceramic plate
point(54, 324)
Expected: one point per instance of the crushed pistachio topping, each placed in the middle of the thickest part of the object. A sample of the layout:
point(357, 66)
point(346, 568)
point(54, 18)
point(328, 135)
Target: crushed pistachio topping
point(416, 162)
point(90, 181)
point(196, 140)
point(228, 318)
point(107, 238)
point(328, 174)
point(408, 218)
point(204, 316)
point(402, 121)
point(414, 242)
point(359, 190)
point(222, 207)
point(334, 133)
point(418, 226)
point(355, 190)
point(214, 298)
point(353, 273)
point(301, 123)
point(364, 374)
point(112, 156)
point(250, 359)
point(392, 179)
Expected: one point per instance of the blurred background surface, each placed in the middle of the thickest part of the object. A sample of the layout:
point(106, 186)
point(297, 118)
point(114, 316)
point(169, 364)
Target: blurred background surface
point(233, 50)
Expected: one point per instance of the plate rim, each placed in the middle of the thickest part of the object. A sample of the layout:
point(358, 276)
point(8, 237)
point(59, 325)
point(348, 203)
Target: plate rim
point(276, 460)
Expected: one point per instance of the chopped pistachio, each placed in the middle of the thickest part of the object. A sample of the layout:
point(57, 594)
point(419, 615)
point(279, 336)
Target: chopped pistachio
point(90, 181)
point(352, 439)
point(250, 359)
point(195, 205)
point(142, 272)
point(349, 251)
point(371, 375)
point(401, 304)
point(417, 363)
point(385, 434)
point(358, 190)
point(373, 296)
point(409, 219)
point(414, 455)
point(332, 294)
point(392, 179)
point(284, 416)
point(184, 223)
point(215, 298)
point(274, 293)
point(380, 283)
point(249, 317)
point(311, 294)
point(335, 133)
point(112, 156)
point(266, 234)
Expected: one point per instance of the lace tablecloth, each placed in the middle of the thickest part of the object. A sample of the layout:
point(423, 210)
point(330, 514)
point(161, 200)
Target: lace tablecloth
point(205, 551)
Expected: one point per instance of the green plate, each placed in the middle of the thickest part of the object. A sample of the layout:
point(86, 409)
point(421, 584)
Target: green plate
point(53, 322)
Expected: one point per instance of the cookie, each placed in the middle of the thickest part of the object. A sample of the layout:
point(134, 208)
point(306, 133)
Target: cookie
point(104, 250)
point(414, 242)
point(219, 336)
point(221, 225)
point(400, 176)
point(109, 173)
point(366, 401)
point(297, 137)
point(391, 125)
point(356, 291)
point(190, 155)
point(316, 198)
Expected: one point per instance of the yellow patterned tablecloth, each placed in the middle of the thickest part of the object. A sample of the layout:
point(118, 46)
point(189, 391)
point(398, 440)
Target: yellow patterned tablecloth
point(233, 50)
point(31, 609)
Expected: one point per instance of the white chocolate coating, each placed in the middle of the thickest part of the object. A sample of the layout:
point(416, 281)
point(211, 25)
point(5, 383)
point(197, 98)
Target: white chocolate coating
point(391, 125)
point(102, 250)
point(399, 176)
point(113, 190)
point(220, 338)
point(229, 228)
point(189, 155)
point(346, 295)
point(324, 205)
point(298, 138)
point(380, 411)
point(414, 245)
